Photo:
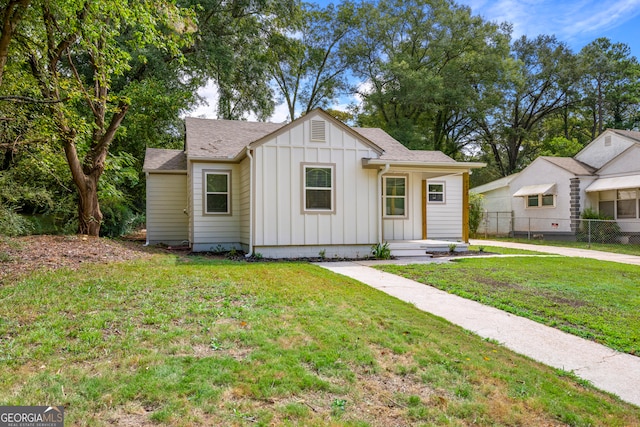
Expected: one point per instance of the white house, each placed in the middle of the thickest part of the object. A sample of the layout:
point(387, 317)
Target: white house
point(295, 190)
point(550, 194)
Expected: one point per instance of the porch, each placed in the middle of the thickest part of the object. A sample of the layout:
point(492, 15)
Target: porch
point(423, 248)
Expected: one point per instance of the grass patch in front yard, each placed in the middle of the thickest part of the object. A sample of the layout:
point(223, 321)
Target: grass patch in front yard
point(503, 251)
point(593, 299)
point(619, 248)
point(197, 342)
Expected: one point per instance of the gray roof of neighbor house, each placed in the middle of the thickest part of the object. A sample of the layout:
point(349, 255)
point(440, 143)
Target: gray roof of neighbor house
point(158, 159)
point(571, 165)
point(631, 134)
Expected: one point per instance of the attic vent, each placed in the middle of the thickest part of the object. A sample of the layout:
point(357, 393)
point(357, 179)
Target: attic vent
point(607, 141)
point(318, 131)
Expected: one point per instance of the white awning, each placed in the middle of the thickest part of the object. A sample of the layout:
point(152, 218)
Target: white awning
point(617, 183)
point(532, 190)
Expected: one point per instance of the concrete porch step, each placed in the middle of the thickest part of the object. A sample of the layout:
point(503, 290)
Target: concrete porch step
point(423, 248)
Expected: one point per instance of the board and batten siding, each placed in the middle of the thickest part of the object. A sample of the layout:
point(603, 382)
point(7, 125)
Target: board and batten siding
point(444, 220)
point(245, 197)
point(212, 232)
point(279, 216)
point(166, 203)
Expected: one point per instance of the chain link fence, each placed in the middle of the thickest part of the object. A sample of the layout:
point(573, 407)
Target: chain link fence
point(505, 224)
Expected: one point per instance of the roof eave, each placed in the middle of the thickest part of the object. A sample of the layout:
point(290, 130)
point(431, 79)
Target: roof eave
point(165, 171)
point(376, 163)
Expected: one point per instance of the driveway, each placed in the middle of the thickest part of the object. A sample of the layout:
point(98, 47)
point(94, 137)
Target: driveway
point(557, 250)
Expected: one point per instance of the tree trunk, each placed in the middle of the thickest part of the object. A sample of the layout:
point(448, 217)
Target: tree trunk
point(89, 215)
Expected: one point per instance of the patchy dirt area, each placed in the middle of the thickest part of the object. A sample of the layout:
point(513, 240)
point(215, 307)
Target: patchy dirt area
point(23, 255)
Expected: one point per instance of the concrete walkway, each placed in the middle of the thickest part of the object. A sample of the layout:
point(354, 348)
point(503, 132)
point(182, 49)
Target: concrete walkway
point(558, 250)
point(607, 369)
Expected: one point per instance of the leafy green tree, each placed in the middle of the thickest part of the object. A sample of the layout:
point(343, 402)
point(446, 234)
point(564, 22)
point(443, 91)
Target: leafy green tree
point(105, 78)
point(610, 86)
point(75, 50)
point(308, 66)
point(541, 83)
point(429, 68)
point(11, 13)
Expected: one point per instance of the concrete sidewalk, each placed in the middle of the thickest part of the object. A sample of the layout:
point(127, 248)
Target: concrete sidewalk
point(607, 369)
point(558, 250)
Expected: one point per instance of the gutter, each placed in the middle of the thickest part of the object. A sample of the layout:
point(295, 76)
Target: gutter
point(250, 251)
point(379, 185)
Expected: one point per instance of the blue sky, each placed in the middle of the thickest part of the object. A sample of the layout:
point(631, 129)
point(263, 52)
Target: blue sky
point(576, 22)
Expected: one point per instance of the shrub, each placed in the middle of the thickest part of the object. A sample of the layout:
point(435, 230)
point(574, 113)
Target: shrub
point(601, 228)
point(475, 212)
point(381, 251)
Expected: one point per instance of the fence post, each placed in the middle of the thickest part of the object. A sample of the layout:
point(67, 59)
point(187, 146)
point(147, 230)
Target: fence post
point(589, 234)
point(529, 230)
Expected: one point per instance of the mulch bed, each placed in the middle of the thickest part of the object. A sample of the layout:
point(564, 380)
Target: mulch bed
point(22, 256)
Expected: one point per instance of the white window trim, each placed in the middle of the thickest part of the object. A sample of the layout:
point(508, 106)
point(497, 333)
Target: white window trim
point(615, 206)
point(206, 172)
point(444, 192)
point(526, 201)
point(303, 198)
point(405, 197)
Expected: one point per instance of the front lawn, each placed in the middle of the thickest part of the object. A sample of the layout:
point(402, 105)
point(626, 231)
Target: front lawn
point(619, 248)
point(175, 341)
point(593, 299)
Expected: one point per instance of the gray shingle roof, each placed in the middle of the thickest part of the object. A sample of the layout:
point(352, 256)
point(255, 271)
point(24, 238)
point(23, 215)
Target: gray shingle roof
point(570, 164)
point(158, 159)
point(227, 139)
point(395, 151)
point(223, 139)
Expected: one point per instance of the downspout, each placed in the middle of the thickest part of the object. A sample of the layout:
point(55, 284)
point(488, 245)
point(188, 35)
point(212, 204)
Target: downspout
point(146, 178)
point(379, 185)
point(250, 251)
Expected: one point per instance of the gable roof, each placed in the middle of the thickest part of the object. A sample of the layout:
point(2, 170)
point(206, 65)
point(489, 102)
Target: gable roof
point(163, 160)
point(227, 141)
point(570, 164)
point(210, 139)
point(395, 151)
point(631, 134)
point(495, 184)
point(223, 139)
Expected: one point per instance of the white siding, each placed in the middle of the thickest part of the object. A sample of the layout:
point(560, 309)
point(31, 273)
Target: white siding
point(498, 200)
point(627, 164)
point(543, 218)
point(245, 197)
point(597, 153)
point(278, 181)
point(444, 220)
point(166, 202)
point(212, 231)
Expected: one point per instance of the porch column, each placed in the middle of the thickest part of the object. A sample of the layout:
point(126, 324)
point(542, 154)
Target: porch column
point(465, 207)
point(424, 209)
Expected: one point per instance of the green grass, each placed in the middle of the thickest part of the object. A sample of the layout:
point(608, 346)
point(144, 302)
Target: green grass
point(627, 249)
point(503, 251)
point(593, 299)
point(199, 342)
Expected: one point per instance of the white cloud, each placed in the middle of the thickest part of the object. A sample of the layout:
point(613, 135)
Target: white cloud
point(207, 109)
point(568, 20)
